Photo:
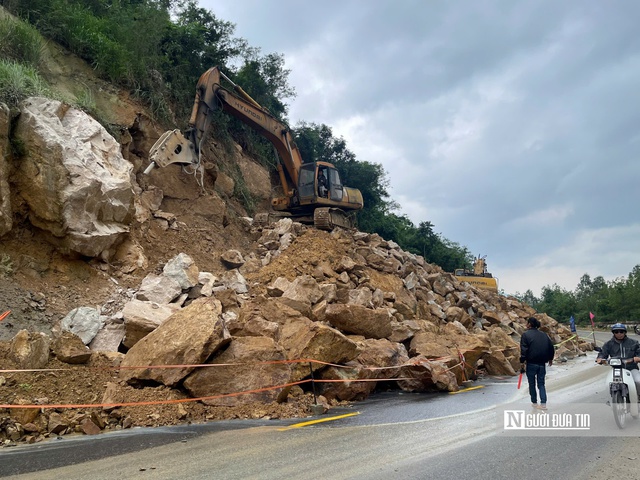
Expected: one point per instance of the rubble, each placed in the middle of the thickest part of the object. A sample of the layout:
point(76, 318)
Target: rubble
point(152, 300)
point(341, 306)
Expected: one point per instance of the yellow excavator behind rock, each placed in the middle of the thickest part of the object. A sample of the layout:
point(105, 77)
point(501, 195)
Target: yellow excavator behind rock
point(479, 277)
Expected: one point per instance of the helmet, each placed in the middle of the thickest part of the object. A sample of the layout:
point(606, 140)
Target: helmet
point(618, 326)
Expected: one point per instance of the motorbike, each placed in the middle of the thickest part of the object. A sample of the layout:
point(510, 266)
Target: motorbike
point(636, 328)
point(622, 388)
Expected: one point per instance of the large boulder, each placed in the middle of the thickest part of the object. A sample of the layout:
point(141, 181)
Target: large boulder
point(73, 178)
point(188, 337)
point(30, 349)
point(85, 322)
point(142, 318)
point(251, 369)
point(378, 360)
point(359, 320)
point(303, 339)
point(423, 375)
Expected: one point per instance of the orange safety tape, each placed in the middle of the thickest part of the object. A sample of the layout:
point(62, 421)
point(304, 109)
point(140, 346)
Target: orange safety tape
point(343, 380)
point(303, 360)
point(4, 315)
point(187, 400)
point(209, 365)
point(197, 365)
point(154, 402)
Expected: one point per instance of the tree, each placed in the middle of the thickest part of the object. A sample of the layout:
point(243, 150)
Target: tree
point(317, 142)
point(194, 42)
point(557, 302)
point(267, 81)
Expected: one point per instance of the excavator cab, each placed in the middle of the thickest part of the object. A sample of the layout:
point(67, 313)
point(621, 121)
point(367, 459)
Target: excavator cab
point(318, 181)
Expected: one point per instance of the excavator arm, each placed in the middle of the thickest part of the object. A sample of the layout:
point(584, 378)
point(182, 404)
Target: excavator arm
point(305, 199)
point(184, 148)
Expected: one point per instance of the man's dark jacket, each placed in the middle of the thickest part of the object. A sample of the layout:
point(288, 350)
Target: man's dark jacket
point(536, 347)
point(628, 348)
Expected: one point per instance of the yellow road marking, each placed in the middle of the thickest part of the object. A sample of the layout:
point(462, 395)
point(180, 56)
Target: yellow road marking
point(313, 422)
point(466, 389)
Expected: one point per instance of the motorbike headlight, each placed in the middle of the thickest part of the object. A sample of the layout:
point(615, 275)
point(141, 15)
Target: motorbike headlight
point(615, 362)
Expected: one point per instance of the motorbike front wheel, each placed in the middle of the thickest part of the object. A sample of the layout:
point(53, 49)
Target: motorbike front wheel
point(619, 406)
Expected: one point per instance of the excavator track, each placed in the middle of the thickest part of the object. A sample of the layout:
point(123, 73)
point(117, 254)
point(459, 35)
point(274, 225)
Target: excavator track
point(323, 219)
point(329, 218)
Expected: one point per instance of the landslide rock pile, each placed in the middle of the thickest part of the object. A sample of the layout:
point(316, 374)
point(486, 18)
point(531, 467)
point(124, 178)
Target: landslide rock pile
point(263, 311)
point(350, 305)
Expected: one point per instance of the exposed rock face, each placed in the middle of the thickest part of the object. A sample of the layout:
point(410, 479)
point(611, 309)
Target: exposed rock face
point(5, 203)
point(73, 177)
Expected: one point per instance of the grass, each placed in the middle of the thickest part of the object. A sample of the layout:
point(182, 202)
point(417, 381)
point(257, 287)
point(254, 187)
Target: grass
point(20, 42)
point(19, 81)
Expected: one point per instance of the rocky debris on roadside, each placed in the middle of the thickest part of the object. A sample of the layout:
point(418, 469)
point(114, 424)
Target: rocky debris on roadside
point(269, 310)
point(358, 306)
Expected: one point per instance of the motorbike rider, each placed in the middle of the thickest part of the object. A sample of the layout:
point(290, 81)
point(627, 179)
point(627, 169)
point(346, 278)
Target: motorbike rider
point(621, 346)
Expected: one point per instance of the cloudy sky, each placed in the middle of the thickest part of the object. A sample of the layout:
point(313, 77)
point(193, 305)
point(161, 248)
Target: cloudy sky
point(512, 126)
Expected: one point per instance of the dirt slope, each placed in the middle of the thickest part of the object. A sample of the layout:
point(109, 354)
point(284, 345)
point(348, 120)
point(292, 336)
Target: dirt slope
point(40, 286)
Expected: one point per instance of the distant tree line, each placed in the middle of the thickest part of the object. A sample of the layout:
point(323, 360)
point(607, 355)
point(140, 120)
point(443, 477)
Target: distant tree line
point(610, 301)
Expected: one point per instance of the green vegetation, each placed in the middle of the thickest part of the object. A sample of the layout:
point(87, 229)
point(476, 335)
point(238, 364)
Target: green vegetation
point(20, 42)
point(21, 47)
point(614, 301)
point(180, 42)
point(19, 81)
point(157, 49)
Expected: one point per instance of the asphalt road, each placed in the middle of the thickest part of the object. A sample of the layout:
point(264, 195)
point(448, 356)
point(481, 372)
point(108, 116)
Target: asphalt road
point(391, 435)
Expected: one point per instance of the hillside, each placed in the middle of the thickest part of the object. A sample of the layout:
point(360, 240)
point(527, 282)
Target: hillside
point(344, 298)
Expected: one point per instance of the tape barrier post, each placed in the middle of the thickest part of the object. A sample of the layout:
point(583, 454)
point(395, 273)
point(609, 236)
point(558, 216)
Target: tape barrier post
point(593, 328)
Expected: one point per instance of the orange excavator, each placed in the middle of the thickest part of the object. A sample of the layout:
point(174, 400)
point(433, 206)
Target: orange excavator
point(313, 193)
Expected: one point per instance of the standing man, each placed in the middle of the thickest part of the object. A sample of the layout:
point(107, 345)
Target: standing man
point(536, 349)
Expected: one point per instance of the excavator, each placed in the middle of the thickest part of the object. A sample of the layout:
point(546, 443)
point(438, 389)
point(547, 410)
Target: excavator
point(478, 277)
point(313, 193)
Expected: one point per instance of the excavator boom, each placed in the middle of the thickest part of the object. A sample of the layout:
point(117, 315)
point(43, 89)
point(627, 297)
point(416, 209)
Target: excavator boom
point(303, 195)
